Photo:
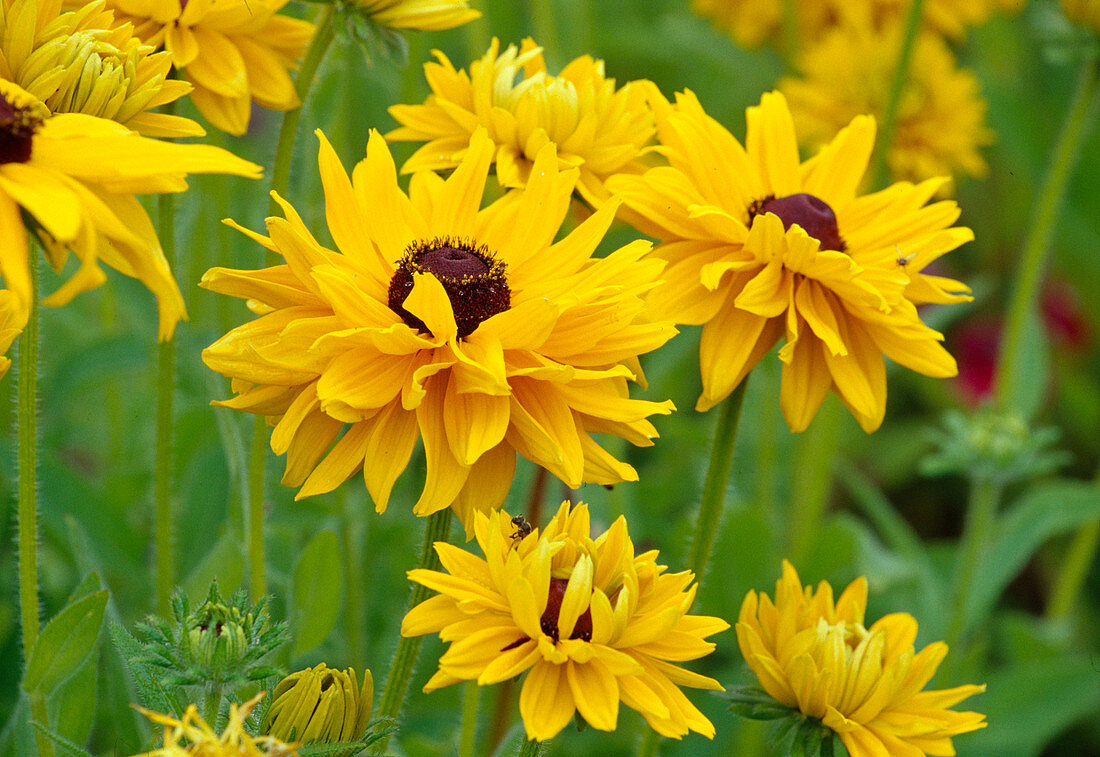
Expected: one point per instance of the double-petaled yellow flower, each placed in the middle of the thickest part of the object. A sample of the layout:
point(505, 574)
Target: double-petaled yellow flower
point(818, 657)
point(763, 246)
point(590, 622)
point(468, 328)
point(597, 128)
point(234, 52)
point(199, 739)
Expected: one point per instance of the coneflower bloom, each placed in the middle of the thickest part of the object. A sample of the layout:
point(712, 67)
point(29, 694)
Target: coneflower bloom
point(468, 328)
point(818, 657)
point(74, 176)
point(191, 735)
point(234, 52)
point(762, 246)
point(590, 622)
point(81, 61)
point(596, 127)
point(941, 120)
point(428, 15)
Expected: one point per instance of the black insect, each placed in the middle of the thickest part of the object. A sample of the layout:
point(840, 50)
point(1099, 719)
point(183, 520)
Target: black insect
point(903, 260)
point(523, 528)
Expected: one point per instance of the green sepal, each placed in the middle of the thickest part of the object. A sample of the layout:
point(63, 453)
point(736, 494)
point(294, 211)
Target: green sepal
point(64, 644)
point(754, 703)
point(378, 729)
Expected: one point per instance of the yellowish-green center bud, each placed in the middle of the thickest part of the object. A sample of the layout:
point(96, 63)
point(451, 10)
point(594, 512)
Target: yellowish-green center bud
point(320, 705)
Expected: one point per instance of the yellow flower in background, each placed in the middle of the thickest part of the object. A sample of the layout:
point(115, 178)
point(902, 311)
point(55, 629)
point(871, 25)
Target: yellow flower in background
point(816, 656)
point(13, 319)
point(321, 705)
point(200, 740)
point(74, 176)
point(941, 115)
point(233, 52)
point(589, 621)
point(75, 62)
point(596, 127)
point(1084, 12)
point(469, 329)
point(763, 246)
point(429, 15)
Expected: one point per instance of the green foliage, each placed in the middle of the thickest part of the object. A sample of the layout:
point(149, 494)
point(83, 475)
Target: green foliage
point(65, 644)
point(315, 592)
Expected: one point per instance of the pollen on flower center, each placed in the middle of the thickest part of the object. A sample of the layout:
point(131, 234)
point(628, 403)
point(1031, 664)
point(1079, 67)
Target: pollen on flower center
point(475, 281)
point(549, 620)
point(811, 213)
point(18, 123)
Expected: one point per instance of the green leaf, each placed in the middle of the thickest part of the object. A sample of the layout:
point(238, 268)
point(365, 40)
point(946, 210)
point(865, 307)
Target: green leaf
point(89, 585)
point(64, 746)
point(151, 693)
point(64, 644)
point(1029, 377)
point(72, 705)
point(1029, 704)
point(223, 562)
point(316, 592)
point(1046, 510)
point(754, 703)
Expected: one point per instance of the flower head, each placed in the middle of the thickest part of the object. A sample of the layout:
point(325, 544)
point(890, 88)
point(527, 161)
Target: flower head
point(941, 115)
point(74, 176)
point(432, 15)
point(590, 622)
point(1084, 12)
point(200, 740)
point(468, 328)
point(762, 245)
point(816, 656)
point(233, 52)
point(81, 61)
point(320, 704)
point(596, 127)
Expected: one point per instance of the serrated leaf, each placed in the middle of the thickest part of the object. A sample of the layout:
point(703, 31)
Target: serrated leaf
point(64, 746)
point(316, 592)
point(151, 693)
point(64, 644)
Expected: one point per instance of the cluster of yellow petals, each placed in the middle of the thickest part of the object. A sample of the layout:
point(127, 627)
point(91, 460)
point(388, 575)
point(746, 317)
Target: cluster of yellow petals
point(816, 656)
point(199, 739)
point(427, 15)
point(589, 621)
point(595, 126)
point(234, 52)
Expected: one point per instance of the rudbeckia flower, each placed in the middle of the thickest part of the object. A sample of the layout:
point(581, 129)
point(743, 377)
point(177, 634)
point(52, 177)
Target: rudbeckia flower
point(596, 127)
point(429, 15)
point(1084, 12)
point(13, 319)
point(74, 176)
point(590, 622)
point(199, 738)
point(81, 61)
point(817, 657)
point(233, 52)
point(762, 246)
point(469, 329)
point(941, 115)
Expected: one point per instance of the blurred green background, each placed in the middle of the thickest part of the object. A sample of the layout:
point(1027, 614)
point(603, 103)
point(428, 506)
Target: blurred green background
point(883, 517)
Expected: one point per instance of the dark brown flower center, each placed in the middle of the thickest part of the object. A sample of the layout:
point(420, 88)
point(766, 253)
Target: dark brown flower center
point(811, 213)
point(473, 278)
point(17, 127)
point(549, 620)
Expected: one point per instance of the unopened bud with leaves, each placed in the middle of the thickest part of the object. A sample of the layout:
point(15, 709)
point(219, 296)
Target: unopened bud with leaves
point(320, 705)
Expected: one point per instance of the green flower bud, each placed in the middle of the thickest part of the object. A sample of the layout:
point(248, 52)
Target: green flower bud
point(217, 636)
point(320, 705)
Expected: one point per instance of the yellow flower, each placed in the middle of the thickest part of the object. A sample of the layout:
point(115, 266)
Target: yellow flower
point(320, 704)
point(430, 15)
point(596, 127)
point(74, 176)
point(75, 62)
point(761, 245)
point(941, 115)
point(1084, 12)
point(590, 622)
point(13, 319)
point(865, 684)
point(201, 740)
point(469, 329)
point(231, 51)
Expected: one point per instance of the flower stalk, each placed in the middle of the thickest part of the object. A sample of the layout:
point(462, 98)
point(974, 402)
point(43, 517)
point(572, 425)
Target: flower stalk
point(532, 748)
point(164, 539)
point(467, 739)
point(981, 518)
point(879, 167)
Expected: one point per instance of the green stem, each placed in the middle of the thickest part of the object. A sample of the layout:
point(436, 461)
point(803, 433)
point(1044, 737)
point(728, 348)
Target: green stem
point(322, 38)
point(812, 485)
point(27, 421)
point(257, 457)
point(166, 390)
point(1040, 233)
point(651, 744)
point(545, 27)
point(530, 748)
point(718, 473)
point(397, 682)
point(893, 99)
point(981, 517)
point(471, 696)
point(1074, 571)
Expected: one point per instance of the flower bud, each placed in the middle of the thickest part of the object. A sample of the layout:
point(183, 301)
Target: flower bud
point(320, 704)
